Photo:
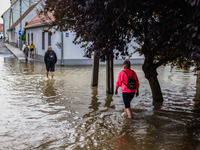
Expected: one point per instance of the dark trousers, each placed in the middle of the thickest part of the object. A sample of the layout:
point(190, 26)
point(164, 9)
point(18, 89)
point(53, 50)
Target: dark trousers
point(127, 98)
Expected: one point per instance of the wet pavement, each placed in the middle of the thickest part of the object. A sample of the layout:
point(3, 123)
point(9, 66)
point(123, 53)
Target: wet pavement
point(66, 113)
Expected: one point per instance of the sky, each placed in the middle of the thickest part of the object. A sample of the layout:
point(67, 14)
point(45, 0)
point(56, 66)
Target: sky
point(4, 5)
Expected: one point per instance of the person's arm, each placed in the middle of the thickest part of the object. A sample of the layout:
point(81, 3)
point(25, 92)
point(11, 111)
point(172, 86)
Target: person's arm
point(137, 92)
point(118, 83)
point(138, 85)
point(116, 90)
point(55, 57)
point(45, 58)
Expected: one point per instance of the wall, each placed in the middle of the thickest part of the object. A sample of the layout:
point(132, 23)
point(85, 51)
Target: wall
point(28, 18)
point(16, 13)
point(73, 54)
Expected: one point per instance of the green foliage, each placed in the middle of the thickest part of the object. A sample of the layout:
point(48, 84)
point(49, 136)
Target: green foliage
point(24, 34)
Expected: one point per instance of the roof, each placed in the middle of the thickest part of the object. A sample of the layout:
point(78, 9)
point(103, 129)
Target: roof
point(23, 16)
point(1, 27)
point(40, 20)
point(9, 8)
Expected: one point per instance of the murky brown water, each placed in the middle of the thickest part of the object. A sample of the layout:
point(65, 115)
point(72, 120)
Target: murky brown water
point(67, 114)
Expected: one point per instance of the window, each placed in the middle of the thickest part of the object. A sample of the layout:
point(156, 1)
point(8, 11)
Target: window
point(43, 40)
point(31, 37)
point(28, 38)
point(49, 38)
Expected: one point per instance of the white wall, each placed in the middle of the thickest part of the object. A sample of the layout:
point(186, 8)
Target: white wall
point(73, 54)
point(16, 13)
point(72, 51)
point(28, 18)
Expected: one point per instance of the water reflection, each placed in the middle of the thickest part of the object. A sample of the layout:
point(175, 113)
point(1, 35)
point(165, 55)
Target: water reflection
point(66, 113)
point(49, 90)
point(94, 100)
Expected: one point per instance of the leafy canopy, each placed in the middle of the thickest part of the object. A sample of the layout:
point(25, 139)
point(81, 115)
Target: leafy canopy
point(166, 30)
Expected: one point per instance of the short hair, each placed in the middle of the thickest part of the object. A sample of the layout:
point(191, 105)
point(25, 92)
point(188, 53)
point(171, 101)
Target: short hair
point(127, 64)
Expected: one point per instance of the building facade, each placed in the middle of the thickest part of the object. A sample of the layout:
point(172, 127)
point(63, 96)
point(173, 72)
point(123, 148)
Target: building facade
point(1, 31)
point(14, 30)
point(12, 14)
point(62, 43)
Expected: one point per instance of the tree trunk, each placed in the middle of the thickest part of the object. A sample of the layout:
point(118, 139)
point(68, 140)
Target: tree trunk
point(150, 72)
point(197, 96)
point(95, 73)
point(109, 76)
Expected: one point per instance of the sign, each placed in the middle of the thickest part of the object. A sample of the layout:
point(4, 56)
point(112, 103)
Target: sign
point(20, 32)
point(67, 34)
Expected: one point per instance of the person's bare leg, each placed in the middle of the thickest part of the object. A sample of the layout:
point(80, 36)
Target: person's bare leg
point(52, 75)
point(47, 74)
point(128, 112)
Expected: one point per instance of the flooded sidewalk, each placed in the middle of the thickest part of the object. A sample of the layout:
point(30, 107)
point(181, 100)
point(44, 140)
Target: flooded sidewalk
point(17, 52)
point(67, 114)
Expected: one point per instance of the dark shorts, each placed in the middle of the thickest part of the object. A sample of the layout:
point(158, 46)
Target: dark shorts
point(50, 67)
point(26, 54)
point(31, 49)
point(127, 98)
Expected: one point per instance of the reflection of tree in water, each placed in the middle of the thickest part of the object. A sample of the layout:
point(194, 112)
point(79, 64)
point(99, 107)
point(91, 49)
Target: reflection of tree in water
point(49, 89)
point(94, 102)
point(108, 100)
point(197, 96)
point(193, 130)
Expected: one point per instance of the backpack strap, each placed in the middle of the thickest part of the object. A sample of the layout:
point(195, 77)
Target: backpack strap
point(127, 74)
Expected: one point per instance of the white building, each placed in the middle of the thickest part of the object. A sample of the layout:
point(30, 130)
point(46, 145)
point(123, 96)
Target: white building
point(62, 43)
point(13, 31)
point(12, 14)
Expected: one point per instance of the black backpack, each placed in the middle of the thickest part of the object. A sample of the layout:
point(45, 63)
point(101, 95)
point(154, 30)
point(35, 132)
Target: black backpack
point(131, 83)
point(51, 57)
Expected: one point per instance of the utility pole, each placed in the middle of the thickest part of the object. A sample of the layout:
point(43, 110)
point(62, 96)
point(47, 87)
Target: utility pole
point(20, 42)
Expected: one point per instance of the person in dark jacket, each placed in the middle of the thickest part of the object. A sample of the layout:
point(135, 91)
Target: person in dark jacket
point(50, 60)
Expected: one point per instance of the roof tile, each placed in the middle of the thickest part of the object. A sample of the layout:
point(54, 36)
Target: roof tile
point(41, 19)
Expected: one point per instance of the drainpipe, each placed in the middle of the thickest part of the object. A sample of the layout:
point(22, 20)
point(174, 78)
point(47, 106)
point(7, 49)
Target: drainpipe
point(20, 45)
point(62, 52)
point(4, 30)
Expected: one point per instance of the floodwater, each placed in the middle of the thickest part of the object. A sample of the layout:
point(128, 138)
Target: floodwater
point(65, 113)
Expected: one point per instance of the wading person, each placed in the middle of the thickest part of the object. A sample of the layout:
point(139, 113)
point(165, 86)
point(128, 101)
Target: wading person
point(50, 60)
point(26, 50)
point(32, 48)
point(129, 83)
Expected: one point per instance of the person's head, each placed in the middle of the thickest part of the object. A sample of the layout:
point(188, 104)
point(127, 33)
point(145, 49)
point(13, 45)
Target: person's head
point(49, 48)
point(127, 64)
point(31, 42)
point(25, 43)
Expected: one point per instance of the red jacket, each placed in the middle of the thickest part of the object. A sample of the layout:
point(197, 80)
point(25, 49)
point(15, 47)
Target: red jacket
point(122, 78)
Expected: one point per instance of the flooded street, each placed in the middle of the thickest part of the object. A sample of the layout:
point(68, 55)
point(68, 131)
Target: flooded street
point(67, 114)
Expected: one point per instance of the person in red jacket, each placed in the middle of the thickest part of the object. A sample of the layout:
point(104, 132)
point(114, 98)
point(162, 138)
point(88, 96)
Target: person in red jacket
point(128, 92)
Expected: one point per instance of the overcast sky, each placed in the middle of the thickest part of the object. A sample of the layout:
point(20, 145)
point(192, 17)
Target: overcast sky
point(4, 5)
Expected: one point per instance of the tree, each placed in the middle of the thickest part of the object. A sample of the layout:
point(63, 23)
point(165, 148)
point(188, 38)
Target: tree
point(166, 30)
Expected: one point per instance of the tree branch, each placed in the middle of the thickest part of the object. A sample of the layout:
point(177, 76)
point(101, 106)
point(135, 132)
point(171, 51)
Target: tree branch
point(166, 59)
